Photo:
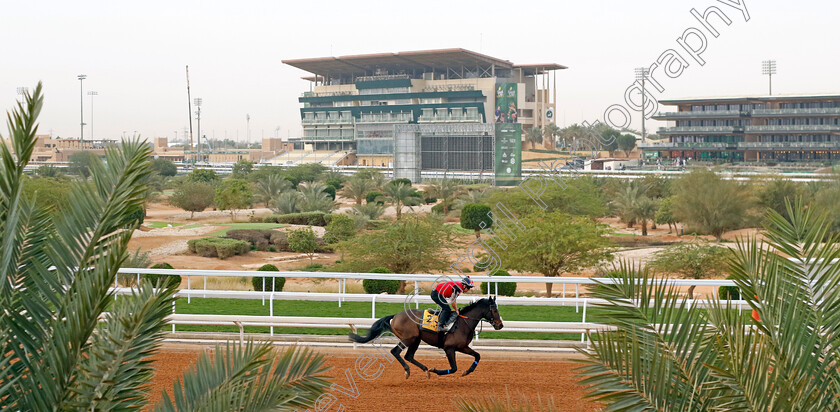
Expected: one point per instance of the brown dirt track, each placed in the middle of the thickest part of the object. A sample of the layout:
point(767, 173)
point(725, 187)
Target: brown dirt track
point(498, 374)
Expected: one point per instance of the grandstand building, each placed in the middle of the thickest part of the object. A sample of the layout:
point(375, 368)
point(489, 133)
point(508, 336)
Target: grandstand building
point(356, 104)
point(793, 128)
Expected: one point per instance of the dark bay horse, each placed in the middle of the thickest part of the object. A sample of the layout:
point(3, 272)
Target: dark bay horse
point(410, 334)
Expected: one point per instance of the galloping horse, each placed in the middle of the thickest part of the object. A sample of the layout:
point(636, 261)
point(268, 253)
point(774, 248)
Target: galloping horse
point(410, 334)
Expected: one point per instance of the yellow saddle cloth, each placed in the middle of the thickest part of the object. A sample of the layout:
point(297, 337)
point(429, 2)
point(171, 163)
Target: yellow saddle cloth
point(430, 320)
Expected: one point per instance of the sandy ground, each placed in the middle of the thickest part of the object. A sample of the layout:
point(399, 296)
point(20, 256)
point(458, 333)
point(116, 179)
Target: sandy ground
point(533, 376)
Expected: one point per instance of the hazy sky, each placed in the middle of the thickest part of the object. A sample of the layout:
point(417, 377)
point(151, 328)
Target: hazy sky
point(134, 53)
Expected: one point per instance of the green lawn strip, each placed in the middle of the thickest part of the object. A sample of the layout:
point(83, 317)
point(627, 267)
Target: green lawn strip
point(217, 306)
point(233, 226)
point(159, 225)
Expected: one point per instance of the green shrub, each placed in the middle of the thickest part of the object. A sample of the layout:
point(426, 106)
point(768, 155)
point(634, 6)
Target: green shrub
point(259, 239)
point(729, 292)
point(430, 200)
point(218, 247)
point(313, 267)
point(370, 197)
point(404, 181)
point(306, 218)
point(505, 288)
point(257, 281)
point(376, 224)
point(330, 190)
point(438, 208)
point(173, 280)
point(376, 286)
point(280, 241)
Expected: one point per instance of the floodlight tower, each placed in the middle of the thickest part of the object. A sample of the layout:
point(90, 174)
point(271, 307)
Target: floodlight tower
point(641, 74)
point(91, 94)
point(197, 102)
point(82, 78)
point(21, 91)
point(768, 67)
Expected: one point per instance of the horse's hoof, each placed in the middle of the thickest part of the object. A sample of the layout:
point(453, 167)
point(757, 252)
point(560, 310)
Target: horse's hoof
point(465, 373)
point(428, 374)
point(407, 375)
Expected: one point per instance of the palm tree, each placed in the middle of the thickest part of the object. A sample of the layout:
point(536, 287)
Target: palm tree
point(401, 195)
point(644, 211)
point(534, 135)
point(666, 354)
point(372, 211)
point(356, 189)
point(625, 202)
point(286, 202)
point(470, 196)
point(444, 190)
point(551, 131)
point(59, 350)
point(270, 187)
point(314, 199)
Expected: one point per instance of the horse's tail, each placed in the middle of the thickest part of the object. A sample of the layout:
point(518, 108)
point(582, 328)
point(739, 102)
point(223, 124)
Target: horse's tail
point(376, 329)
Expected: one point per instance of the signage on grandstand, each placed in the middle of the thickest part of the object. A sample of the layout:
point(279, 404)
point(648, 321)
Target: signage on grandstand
point(508, 154)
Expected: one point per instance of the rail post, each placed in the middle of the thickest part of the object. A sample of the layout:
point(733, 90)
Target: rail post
point(583, 335)
point(271, 311)
point(189, 295)
point(373, 307)
point(173, 312)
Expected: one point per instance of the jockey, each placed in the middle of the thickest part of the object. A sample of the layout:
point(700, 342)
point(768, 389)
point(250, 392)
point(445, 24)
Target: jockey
point(445, 295)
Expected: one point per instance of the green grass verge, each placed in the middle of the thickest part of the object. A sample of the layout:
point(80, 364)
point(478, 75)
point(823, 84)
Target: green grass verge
point(217, 306)
point(233, 226)
point(622, 234)
point(160, 225)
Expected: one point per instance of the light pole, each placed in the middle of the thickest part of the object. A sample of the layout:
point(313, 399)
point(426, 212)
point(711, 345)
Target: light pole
point(21, 91)
point(641, 73)
point(768, 67)
point(91, 94)
point(197, 102)
point(247, 130)
point(82, 78)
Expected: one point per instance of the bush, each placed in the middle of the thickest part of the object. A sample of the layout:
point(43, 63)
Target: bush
point(168, 280)
point(313, 267)
point(505, 288)
point(376, 224)
point(306, 218)
point(257, 281)
point(218, 247)
point(376, 286)
point(729, 292)
point(280, 241)
point(370, 197)
point(341, 227)
point(260, 239)
point(430, 200)
point(330, 190)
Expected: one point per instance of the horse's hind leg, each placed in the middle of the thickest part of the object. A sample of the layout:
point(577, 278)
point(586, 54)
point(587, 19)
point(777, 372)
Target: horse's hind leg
point(396, 352)
point(469, 351)
point(409, 356)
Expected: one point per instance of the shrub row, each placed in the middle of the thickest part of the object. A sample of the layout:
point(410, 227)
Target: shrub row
point(259, 239)
point(307, 218)
point(218, 247)
point(168, 280)
point(505, 288)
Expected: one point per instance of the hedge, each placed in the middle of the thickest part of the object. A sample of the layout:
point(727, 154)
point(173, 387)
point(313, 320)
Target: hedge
point(307, 218)
point(173, 280)
point(370, 197)
point(218, 247)
point(505, 288)
point(729, 292)
point(257, 281)
point(376, 286)
point(260, 239)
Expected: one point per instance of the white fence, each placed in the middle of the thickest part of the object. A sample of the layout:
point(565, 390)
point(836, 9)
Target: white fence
point(581, 304)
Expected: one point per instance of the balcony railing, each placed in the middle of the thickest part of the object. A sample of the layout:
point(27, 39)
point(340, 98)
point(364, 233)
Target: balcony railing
point(386, 117)
point(666, 145)
point(701, 129)
point(794, 128)
point(330, 94)
point(786, 145)
point(382, 77)
point(702, 114)
point(790, 112)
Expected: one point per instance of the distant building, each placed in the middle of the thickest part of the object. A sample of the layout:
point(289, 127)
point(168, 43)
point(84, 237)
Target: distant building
point(793, 128)
point(357, 103)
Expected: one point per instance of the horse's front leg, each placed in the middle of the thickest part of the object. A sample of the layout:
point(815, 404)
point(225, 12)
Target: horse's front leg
point(469, 351)
point(453, 366)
